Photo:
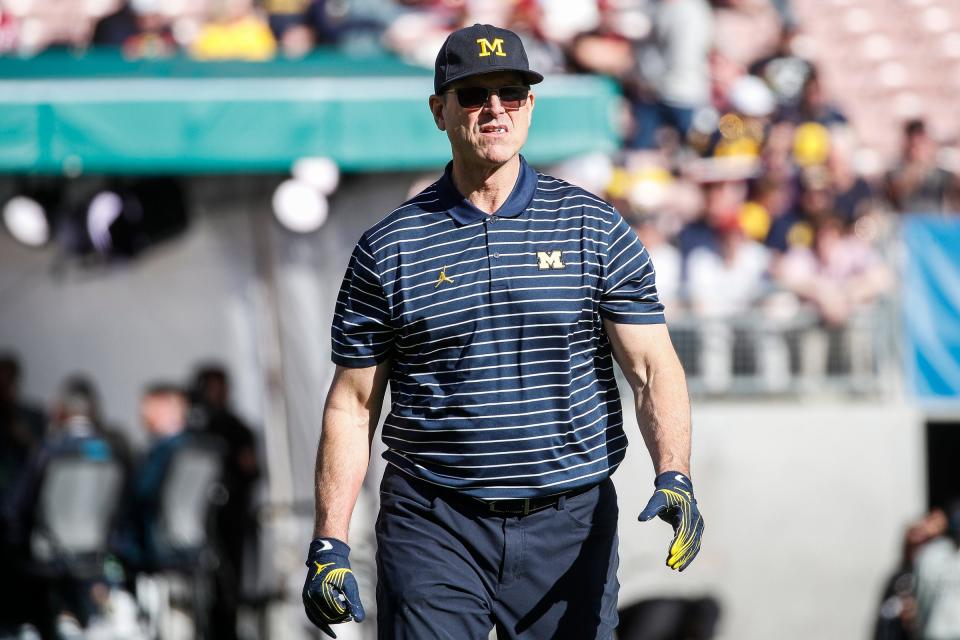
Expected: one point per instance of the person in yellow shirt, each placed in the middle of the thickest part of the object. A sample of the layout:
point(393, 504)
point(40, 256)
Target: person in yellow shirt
point(238, 33)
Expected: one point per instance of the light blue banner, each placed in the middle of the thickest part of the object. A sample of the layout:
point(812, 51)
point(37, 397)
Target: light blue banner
point(931, 299)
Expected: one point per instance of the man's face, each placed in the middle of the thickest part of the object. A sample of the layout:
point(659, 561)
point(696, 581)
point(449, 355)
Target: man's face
point(920, 147)
point(163, 414)
point(214, 391)
point(489, 134)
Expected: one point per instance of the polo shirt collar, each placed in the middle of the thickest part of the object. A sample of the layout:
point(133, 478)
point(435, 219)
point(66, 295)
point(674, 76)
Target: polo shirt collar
point(464, 212)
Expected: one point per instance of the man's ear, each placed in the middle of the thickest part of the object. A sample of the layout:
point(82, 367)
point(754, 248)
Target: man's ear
point(436, 108)
point(531, 100)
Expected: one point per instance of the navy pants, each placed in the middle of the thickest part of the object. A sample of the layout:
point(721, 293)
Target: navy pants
point(447, 568)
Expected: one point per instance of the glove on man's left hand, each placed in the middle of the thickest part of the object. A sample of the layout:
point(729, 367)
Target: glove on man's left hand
point(673, 501)
point(330, 594)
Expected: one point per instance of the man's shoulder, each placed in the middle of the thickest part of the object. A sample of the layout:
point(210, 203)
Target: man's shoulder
point(409, 214)
point(557, 193)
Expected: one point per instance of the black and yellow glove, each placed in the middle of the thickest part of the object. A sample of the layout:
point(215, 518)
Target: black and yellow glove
point(330, 594)
point(673, 501)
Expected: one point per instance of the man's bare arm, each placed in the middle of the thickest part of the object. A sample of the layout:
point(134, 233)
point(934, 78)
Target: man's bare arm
point(350, 418)
point(650, 364)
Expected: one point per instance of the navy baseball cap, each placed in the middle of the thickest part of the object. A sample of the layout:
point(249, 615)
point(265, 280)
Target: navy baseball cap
point(480, 49)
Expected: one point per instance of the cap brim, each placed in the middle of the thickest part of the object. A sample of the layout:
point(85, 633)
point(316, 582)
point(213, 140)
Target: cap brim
point(531, 77)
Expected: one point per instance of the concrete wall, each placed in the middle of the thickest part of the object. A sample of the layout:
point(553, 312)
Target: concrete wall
point(805, 506)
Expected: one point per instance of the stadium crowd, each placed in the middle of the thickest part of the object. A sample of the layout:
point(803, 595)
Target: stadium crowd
point(61, 579)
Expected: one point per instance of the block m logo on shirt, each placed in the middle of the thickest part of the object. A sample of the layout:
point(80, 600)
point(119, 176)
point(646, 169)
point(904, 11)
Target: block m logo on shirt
point(486, 48)
point(550, 260)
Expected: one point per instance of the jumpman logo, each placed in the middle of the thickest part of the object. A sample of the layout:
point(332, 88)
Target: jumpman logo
point(443, 278)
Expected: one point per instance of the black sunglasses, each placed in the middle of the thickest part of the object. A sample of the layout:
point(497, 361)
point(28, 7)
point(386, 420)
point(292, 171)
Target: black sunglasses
point(511, 97)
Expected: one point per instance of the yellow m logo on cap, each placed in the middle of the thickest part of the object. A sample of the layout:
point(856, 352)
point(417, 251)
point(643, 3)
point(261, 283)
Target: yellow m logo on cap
point(486, 48)
point(550, 260)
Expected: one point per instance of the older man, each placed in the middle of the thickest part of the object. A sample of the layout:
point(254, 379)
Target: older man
point(494, 302)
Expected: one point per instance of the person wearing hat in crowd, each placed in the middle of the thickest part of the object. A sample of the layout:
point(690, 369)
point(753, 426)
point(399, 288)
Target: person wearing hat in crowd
point(494, 303)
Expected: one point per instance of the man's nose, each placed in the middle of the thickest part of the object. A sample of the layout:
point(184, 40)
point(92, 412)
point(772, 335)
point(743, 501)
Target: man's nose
point(493, 103)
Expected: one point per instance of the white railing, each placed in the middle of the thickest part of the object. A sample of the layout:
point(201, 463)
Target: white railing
point(756, 355)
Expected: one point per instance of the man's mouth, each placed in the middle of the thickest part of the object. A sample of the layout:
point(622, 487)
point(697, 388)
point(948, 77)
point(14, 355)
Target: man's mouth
point(493, 129)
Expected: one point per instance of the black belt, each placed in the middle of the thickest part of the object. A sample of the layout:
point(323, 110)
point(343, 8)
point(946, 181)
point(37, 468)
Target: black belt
point(526, 506)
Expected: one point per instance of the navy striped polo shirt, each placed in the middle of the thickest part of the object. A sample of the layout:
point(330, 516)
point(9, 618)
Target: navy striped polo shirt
point(501, 377)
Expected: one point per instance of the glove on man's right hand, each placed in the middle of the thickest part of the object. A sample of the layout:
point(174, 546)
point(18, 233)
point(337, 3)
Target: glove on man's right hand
point(330, 594)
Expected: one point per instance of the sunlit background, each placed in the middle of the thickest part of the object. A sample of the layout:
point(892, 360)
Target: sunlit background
point(182, 183)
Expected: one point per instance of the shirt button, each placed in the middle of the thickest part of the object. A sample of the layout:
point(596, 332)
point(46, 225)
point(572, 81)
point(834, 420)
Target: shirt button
point(493, 219)
point(496, 255)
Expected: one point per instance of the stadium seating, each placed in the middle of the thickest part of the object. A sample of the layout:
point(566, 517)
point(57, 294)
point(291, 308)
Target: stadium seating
point(886, 61)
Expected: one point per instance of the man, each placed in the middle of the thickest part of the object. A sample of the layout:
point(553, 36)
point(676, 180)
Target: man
point(163, 412)
point(938, 582)
point(493, 302)
point(59, 600)
point(211, 395)
point(675, 69)
point(21, 425)
point(917, 184)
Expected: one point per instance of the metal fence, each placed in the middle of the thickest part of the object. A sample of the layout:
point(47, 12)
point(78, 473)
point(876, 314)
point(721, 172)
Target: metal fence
point(757, 355)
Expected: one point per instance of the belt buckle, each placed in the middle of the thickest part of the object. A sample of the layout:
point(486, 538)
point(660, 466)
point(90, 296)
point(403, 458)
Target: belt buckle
point(526, 507)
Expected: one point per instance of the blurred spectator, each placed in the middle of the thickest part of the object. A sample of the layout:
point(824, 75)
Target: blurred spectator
point(73, 431)
point(666, 259)
point(853, 196)
point(723, 282)
point(675, 70)
point(301, 25)
point(417, 31)
point(605, 53)
point(32, 27)
point(9, 33)
point(897, 613)
point(285, 14)
point(237, 33)
point(742, 131)
point(770, 201)
point(839, 274)
point(729, 278)
point(81, 386)
point(777, 156)
point(163, 411)
point(724, 73)
point(938, 582)
point(114, 29)
point(784, 71)
point(529, 21)
point(785, 11)
point(814, 104)
point(22, 426)
point(235, 524)
point(917, 184)
point(815, 203)
point(747, 30)
point(723, 199)
point(139, 28)
point(21, 431)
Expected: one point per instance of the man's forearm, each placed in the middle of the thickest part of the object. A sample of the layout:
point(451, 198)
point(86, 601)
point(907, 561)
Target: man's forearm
point(342, 459)
point(350, 418)
point(663, 414)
